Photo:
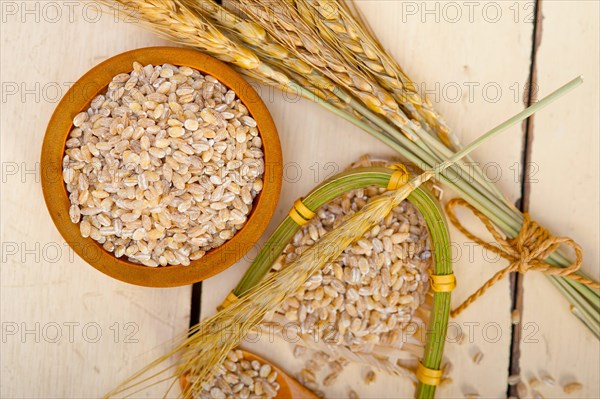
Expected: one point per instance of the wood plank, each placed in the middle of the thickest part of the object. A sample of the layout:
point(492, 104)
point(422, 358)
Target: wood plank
point(565, 194)
point(68, 330)
point(447, 57)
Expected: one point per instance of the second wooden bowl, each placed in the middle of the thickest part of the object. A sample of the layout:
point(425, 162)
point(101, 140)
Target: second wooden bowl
point(78, 99)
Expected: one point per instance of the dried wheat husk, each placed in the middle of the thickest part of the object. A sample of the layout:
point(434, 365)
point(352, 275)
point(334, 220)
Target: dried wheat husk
point(340, 28)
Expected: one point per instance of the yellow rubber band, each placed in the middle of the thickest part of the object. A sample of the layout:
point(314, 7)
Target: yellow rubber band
point(442, 283)
point(296, 217)
point(303, 209)
point(428, 376)
point(231, 298)
point(398, 178)
point(300, 213)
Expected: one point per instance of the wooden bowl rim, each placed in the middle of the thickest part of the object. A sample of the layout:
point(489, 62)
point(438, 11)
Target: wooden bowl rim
point(78, 98)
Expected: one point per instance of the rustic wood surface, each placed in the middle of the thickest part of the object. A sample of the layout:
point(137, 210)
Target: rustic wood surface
point(69, 331)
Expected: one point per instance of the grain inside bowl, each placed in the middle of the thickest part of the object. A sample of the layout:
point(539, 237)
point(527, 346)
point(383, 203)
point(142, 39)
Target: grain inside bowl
point(238, 377)
point(164, 166)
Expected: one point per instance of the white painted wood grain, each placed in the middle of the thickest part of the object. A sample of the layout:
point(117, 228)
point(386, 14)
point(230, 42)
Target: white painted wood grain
point(446, 59)
point(565, 195)
point(68, 331)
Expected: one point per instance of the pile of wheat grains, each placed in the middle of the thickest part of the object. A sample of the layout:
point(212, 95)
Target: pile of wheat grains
point(241, 378)
point(367, 297)
point(164, 166)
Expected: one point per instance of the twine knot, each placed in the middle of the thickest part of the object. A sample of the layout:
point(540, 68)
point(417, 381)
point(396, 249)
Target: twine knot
point(527, 251)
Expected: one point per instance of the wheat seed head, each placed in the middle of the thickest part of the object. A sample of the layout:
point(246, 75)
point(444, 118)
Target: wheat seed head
point(340, 27)
point(283, 22)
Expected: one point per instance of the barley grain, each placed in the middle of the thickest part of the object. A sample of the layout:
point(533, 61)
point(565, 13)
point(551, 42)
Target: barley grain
point(370, 377)
point(514, 379)
point(446, 382)
point(522, 390)
point(572, 387)
point(515, 317)
point(534, 382)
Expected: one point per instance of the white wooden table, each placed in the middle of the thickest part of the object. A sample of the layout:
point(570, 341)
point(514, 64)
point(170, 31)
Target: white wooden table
point(70, 332)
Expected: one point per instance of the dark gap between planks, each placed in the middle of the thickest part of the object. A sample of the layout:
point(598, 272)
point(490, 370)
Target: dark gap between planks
point(196, 305)
point(516, 280)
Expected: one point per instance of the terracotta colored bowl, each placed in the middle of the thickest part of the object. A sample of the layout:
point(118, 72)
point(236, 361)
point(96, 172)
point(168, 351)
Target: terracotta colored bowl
point(78, 99)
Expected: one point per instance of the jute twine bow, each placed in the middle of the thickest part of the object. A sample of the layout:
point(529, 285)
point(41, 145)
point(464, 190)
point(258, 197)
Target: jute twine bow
point(525, 252)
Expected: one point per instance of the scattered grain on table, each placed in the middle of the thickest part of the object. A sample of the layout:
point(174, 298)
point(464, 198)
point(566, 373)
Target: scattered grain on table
point(572, 387)
point(478, 357)
point(514, 379)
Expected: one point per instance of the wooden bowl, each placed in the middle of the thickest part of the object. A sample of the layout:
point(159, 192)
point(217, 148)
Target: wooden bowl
point(78, 99)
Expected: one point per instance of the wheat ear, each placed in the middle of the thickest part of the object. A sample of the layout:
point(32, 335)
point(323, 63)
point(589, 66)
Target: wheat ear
point(176, 22)
point(285, 24)
point(267, 48)
point(358, 44)
point(262, 44)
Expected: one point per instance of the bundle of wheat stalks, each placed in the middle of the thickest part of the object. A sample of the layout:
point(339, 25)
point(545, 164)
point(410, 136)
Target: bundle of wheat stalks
point(323, 51)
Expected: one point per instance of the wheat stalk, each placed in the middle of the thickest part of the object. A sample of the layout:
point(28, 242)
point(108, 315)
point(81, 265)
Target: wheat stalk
point(263, 44)
point(267, 48)
point(174, 21)
point(342, 31)
point(355, 41)
point(284, 23)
